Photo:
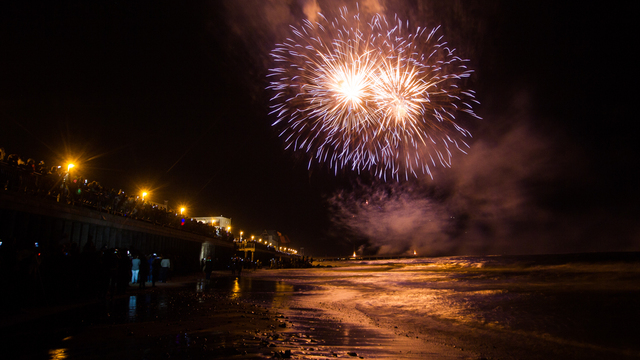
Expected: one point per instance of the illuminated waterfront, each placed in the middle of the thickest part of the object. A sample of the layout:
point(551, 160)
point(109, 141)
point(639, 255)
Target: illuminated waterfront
point(490, 307)
point(524, 307)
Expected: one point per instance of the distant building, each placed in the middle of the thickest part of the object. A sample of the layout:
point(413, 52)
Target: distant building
point(275, 238)
point(217, 221)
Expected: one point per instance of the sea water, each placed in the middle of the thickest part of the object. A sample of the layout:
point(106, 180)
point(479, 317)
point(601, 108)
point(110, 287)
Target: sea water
point(574, 304)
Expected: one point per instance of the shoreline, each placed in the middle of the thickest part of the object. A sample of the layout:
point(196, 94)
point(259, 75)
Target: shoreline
point(212, 322)
point(262, 314)
point(438, 337)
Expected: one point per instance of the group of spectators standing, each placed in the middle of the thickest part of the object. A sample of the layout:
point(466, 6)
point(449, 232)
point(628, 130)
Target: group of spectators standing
point(63, 272)
point(236, 264)
point(294, 262)
point(59, 184)
point(153, 268)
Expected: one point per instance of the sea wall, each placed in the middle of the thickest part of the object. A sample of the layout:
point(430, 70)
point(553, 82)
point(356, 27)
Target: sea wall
point(29, 221)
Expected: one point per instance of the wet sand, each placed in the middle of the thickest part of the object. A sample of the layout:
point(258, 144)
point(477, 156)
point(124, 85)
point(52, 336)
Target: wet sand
point(187, 318)
point(351, 298)
point(254, 316)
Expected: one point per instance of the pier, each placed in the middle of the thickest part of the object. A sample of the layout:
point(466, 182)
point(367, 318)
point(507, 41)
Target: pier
point(28, 221)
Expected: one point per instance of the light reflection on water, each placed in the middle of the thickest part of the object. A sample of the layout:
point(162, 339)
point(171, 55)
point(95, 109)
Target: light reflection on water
point(538, 294)
point(133, 301)
point(58, 354)
point(480, 292)
point(236, 290)
point(275, 292)
point(201, 285)
point(163, 303)
point(158, 305)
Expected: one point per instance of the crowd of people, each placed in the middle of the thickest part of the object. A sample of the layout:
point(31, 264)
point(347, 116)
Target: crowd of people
point(62, 272)
point(58, 271)
point(293, 262)
point(62, 185)
point(236, 264)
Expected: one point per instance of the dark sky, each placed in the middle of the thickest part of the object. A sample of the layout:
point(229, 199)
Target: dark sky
point(169, 96)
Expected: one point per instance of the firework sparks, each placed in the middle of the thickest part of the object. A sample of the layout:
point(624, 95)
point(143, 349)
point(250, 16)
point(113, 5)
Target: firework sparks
point(370, 95)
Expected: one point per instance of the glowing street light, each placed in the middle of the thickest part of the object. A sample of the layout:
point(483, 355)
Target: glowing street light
point(182, 210)
point(144, 194)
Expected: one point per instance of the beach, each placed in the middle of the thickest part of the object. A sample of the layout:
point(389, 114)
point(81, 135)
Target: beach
point(444, 308)
point(580, 306)
point(228, 317)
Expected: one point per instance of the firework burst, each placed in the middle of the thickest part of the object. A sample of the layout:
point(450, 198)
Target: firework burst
point(370, 95)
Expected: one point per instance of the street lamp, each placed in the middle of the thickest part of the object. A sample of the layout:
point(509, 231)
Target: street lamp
point(181, 210)
point(69, 171)
point(144, 194)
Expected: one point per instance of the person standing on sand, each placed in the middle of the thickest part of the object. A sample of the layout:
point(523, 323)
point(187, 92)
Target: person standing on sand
point(150, 260)
point(144, 272)
point(165, 264)
point(135, 269)
point(155, 271)
point(208, 268)
point(232, 265)
point(239, 265)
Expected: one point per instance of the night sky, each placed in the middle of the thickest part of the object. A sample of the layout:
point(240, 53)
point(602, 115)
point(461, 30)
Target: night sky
point(170, 97)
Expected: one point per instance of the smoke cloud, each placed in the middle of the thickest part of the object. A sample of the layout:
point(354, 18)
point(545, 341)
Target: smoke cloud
point(260, 24)
point(311, 10)
point(513, 193)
